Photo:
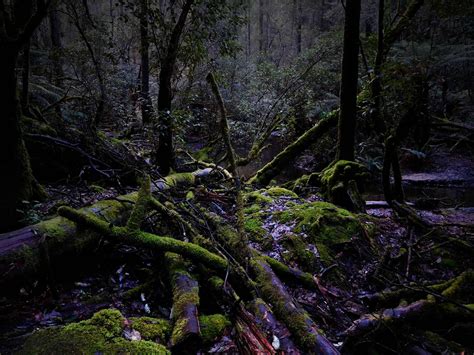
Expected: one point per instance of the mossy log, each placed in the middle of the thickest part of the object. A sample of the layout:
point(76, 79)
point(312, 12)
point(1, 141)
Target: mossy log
point(250, 337)
point(186, 334)
point(21, 251)
point(273, 168)
point(298, 321)
point(448, 303)
point(146, 240)
point(302, 327)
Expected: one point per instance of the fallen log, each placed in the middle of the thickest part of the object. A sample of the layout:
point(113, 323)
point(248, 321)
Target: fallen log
point(186, 334)
point(21, 250)
point(273, 168)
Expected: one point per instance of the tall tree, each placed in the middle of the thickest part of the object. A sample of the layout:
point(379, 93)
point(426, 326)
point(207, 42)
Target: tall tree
point(18, 20)
point(349, 76)
point(165, 153)
point(146, 106)
point(56, 42)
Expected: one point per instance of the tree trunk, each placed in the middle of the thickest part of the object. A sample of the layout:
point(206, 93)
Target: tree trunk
point(299, 25)
point(377, 116)
point(146, 106)
point(348, 95)
point(18, 183)
point(165, 152)
point(25, 78)
point(55, 28)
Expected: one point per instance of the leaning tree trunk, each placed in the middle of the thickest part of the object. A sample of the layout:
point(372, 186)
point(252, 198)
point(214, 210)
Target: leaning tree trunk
point(350, 64)
point(18, 183)
point(165, 152)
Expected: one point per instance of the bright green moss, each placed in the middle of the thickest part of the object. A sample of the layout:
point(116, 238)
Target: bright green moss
point(179, 179)
point(100, 334)
point(253, 227)
point(280, 192)
point(122, 346)
point(151, 328)
point(257, 197)
point(326, 225)
point(111, 320)
point(212, 327)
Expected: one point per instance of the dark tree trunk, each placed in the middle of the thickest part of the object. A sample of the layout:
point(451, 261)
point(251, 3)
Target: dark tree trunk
point(25, 78)
point(299, 25)
point(18, 183)
point(165, 152)
point(377, 81)
point(55, 28)
point(146, 106)
point(348, 95)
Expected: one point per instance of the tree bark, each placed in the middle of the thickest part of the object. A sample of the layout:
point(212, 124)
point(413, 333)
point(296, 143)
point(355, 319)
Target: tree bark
point(25, 78)
point(165, 152)
point(18, 183)
point(146, 106)
point(348, 93)
point(55, 28)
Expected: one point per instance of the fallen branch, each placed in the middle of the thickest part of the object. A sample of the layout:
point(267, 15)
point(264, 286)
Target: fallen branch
point(273, 168)
point(186, 334)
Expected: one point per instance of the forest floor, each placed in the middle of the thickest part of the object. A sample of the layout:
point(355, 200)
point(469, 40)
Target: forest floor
point(441, 189)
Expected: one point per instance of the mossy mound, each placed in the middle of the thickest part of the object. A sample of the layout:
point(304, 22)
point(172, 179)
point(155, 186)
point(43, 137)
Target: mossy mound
point(151, 328)
point(212, 327)
point(100, 334)
point(341, 182)
point(323, 224)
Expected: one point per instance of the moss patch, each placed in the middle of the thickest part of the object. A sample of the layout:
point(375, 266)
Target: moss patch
point(100, 334)
point(326, 225)
point(151, 328)
point(212, 327)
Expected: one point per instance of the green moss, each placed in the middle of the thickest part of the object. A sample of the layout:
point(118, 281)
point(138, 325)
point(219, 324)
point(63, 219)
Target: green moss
point(280, 192)
point(179, 179)
point(212, 327)
point(151, 328)
point(122, 346)
point(110, 320)
point(297, 320)
point(257, 197)
point(97, 188)
point(253, 227)
point(203, 154)
point(253, 209)
point(100, 334)
point(298, 251)
point(78, 339)
point(326, 225)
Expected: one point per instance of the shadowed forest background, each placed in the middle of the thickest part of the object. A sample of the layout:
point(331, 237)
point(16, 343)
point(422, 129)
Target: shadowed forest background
point(253, 177)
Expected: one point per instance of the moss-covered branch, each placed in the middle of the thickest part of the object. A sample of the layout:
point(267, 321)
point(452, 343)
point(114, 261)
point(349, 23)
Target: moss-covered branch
point(186, 332)
point(273, 168)
point(147, 240)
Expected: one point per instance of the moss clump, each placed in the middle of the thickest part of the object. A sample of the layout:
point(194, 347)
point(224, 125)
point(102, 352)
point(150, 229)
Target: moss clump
point(299, 252)
point(305, 181)
point(280, 192)
point(253, 227)
point(122, 346)
point(180, 179)
point(257, 197)
point(151, 328)
point(212, 327)
point(337, 179)
point(326, 225)
point(100, 334)
point(110, 320)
